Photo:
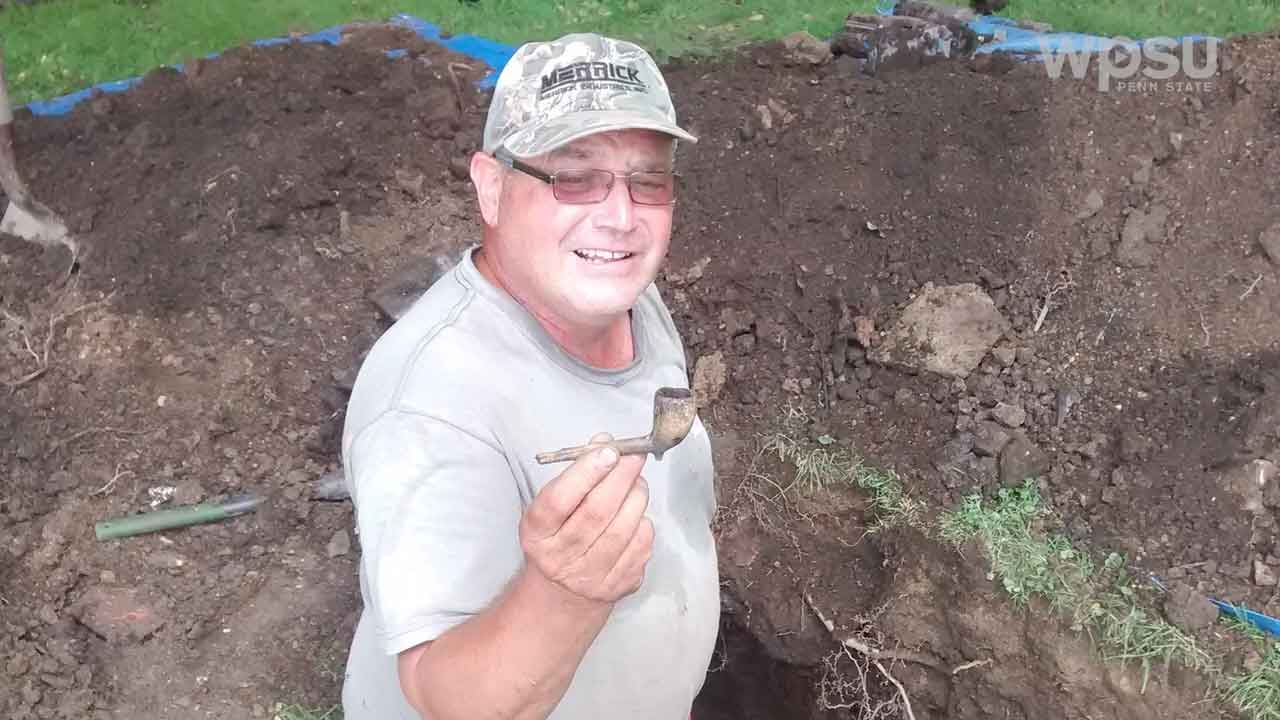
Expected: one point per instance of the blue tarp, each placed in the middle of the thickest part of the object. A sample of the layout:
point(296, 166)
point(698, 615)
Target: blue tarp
point(494, 54)
point(1014, 39)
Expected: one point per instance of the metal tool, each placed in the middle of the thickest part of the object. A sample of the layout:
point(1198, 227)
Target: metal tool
point(25, 216)
point(674, 410)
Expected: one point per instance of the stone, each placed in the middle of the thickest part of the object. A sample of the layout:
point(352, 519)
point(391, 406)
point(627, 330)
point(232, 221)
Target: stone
point(1021, 460)
point(411, 183)
point(709, 374)
point(1269, 239)
point(117, 613)
point(744, 343)
point(1010, 415)
point(1134, 446)
point(1005, 354)
point(339, 544)
point(1188, 610)
point(1263, 574)
point(806, 49)
point(1092, 205)
point(946, 330)
point(989, 439)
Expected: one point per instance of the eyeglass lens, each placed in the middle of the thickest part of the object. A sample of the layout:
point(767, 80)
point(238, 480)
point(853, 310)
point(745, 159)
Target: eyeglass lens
point(589, 186)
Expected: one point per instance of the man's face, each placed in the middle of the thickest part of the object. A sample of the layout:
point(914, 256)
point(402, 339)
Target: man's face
point(583, 264)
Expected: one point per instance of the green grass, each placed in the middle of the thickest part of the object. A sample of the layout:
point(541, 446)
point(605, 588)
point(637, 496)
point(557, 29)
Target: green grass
point(1157, 17)
point(822, 465)
point(1257, 693)
point(59, 46)
point(63, 45)
point(1031, 563)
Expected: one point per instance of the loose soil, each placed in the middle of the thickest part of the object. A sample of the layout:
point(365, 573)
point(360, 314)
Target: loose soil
point(239, 215)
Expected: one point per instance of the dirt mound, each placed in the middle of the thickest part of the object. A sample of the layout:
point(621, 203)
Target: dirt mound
point(239, 214)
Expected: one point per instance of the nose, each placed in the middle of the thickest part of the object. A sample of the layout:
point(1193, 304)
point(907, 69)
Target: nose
point(616, 212)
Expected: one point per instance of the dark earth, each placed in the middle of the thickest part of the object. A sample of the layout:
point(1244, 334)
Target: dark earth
point(239, 216)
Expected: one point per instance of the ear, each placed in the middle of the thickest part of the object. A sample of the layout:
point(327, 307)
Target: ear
point(486, 176)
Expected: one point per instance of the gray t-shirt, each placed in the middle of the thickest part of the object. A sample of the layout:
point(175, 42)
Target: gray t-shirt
point(449, 410)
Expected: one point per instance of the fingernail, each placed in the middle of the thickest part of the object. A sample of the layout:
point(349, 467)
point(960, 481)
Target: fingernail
point(608, 456)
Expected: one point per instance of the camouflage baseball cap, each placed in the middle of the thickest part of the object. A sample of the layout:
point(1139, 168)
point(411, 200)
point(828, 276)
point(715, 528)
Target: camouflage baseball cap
point(552, 93)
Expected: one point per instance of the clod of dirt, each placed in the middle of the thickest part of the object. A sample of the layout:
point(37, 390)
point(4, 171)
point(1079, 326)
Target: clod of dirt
point(1263, 574)
point(708, 378)
point(1011, 415)
point(945, 330)
point(1269, 239)
point(989, 439)
point(1189, 610)
point(1141, 229)
point(1021, 460)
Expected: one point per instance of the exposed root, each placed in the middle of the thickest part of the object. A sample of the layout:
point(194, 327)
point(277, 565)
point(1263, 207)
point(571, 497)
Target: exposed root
point(1064, 283)
point(42, 357)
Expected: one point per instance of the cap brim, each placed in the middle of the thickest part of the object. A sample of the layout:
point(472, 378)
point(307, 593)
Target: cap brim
point(544, 138)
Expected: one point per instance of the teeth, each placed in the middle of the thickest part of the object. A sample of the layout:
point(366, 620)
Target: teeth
point(601, 255)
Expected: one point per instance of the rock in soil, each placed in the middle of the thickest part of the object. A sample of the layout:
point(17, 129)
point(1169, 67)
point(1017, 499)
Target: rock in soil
point(1269, 239)
point(1011, 415)
point(1021, 460)
point(117, 613)
point(1263, 574)
point(339, 544)
point(708, 378)
point(989, 439)
point(1189, 610)
point(945, 330)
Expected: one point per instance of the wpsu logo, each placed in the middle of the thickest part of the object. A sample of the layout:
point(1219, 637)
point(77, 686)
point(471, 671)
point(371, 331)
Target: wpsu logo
point(1127, 65)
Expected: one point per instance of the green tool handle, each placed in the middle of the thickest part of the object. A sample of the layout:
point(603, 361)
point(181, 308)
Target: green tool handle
point(173, 518)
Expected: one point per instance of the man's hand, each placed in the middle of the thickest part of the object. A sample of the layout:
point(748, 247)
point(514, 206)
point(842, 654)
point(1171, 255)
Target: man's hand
point(586, 531)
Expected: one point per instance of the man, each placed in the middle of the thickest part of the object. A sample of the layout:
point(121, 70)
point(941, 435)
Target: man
point(495, 586)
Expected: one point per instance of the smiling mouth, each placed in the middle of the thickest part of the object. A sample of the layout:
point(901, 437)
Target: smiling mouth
point(602, 257)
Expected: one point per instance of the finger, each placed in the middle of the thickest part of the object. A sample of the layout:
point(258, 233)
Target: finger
point(613, 542)
point(599, 508)
point(628, 573)
point(560, 497)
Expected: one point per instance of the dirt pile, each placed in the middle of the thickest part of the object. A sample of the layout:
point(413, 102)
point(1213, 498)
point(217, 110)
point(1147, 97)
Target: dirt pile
point(240, 214)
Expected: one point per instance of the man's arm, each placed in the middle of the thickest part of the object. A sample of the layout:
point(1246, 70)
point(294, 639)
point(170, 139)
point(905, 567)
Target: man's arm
point(586, 542)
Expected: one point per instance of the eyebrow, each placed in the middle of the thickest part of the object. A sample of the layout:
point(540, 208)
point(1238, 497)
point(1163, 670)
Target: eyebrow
point(580, 153)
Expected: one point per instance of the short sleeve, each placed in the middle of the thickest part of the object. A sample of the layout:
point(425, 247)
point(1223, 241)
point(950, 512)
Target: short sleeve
point(437, 511)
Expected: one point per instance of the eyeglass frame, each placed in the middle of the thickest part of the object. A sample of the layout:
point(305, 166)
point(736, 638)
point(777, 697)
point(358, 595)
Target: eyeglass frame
point(509, 160)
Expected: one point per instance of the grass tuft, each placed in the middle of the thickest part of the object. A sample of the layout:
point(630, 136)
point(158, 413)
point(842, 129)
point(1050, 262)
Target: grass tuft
point(1032, 564)
point(1257, 693)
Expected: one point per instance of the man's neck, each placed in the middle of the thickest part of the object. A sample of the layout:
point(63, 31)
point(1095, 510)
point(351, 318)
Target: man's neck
point(607, 347)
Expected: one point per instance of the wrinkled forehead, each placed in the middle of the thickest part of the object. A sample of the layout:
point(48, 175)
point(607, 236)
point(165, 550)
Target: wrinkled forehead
point(634, 147)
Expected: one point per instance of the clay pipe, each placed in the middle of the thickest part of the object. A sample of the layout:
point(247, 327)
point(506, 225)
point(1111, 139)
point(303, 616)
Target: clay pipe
point(674, 410)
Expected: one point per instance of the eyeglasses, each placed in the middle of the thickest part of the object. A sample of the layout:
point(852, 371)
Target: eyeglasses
point(587, 186)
